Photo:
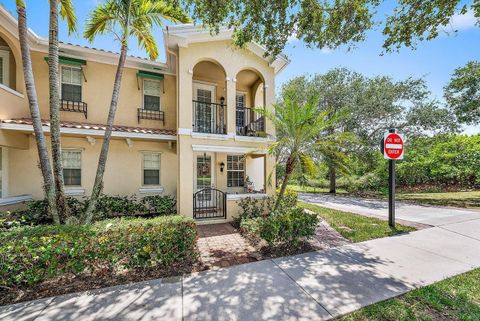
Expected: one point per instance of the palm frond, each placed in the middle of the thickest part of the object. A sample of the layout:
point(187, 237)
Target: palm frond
point(67, 12)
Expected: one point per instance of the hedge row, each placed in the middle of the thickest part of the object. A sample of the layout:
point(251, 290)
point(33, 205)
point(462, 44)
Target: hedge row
point(34, 254)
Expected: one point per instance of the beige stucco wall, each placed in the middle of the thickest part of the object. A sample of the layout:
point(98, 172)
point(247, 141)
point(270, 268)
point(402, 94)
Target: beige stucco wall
point(123, 174)
point(97, 93)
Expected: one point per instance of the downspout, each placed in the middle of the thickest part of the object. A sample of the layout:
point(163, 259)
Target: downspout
point(177, 66)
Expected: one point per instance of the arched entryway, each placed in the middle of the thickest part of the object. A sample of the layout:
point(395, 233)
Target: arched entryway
point(250, 95)
point(209, 98)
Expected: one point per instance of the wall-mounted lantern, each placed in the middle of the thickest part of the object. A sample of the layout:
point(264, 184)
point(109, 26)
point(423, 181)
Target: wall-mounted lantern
point(222, 166)
point(222, 100)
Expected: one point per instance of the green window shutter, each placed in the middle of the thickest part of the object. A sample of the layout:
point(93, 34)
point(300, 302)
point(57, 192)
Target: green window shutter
point(149, 75)
point(69, 61)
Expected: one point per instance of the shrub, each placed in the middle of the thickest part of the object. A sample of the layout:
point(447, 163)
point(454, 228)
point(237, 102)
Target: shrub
point(160, 205)
point(287, 229)
point(30, 255)
point(113, 206)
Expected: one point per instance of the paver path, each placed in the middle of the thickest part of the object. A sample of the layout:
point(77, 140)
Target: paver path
point(313, 286)
point(423, 214)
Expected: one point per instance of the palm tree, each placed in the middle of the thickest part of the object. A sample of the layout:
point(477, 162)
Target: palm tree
point(125, 19)
point(48, 186)
point(298, 126)
point(67, 12)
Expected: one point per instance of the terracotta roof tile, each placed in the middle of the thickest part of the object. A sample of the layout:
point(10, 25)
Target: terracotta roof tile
point(118, 128)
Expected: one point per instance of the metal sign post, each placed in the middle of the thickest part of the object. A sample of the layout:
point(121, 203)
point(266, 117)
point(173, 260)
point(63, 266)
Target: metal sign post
point(392, 149)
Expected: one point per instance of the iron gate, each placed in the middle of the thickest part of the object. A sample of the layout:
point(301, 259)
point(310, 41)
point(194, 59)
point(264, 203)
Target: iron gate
point(209, 203)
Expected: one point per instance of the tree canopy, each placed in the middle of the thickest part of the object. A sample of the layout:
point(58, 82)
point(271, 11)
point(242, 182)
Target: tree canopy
point(462, 93)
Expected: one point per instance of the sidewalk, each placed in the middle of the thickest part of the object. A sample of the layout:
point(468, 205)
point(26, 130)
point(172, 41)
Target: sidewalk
point(312, 286)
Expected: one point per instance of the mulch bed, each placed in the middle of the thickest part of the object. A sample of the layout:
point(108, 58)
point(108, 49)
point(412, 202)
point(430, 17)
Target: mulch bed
point(70, 283)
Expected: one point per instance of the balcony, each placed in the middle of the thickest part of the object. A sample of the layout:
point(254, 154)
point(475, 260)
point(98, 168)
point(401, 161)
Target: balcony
point(209, 118)
point(151, 115)
point(74, 106)
point(249, 123)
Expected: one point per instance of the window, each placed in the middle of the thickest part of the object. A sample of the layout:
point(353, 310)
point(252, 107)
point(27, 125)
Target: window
point(4, 65)
point(235, 170)
point(72, 167)
point(151, 94)
point(71, 83)
point(240, 110)
point(151, 169)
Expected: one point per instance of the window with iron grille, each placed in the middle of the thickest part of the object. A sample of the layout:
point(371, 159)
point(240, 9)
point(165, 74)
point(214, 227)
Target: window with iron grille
point(71, 83)
point(72, 167)
point(235, 170)
point(151, 94)
point(151, 169)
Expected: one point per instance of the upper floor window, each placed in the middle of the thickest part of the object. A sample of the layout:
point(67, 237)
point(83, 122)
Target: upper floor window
point(151, 94)
point(71, 83)
point(4, 65)
point(72, 167)
point(235, 170)
point(151, 169)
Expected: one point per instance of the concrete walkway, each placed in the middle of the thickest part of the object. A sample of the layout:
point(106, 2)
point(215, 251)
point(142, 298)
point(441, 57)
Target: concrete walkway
point(312, 286)
point(423, 214)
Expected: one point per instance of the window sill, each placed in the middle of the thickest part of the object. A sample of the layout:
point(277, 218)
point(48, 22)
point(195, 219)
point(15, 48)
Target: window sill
point(235, 197)
point(151, 190)
point(15, 199)
point(74, 191)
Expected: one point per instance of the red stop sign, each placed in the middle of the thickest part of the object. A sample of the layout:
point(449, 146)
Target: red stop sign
point(393, 146)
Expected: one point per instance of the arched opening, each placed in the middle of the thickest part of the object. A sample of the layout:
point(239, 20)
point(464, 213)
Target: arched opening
point(8, 65)
point(250, 95)
point(209, 98)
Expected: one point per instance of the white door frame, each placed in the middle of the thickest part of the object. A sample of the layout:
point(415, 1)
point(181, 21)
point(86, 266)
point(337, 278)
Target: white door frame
point(5, 54)
point(212, 159)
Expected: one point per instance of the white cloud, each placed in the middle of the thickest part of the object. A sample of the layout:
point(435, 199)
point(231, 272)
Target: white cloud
point(463, 21)
point(292, 38)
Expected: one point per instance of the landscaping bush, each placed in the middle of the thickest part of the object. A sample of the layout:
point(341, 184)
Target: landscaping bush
point(286, 229)
point(107, 207)
point(29, 255)
point(160, 205)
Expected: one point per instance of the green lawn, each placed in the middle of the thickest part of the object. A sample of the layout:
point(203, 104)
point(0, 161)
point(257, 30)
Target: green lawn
point(356, 228)
point(460, 199)
point(456, 298)
point(310, 189)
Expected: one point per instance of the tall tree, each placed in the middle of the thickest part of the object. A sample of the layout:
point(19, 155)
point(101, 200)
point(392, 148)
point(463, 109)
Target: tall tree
point(298, 125)
point(414, 21)
point(462, 93)
point(67, 12)
point(48, 185)
point(125, 19)
point(365, 108)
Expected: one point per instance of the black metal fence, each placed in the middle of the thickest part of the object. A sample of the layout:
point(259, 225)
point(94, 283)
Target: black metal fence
point(209, 118)
point(151, 114)
point(209, 203)
point(249, 122)
point(74, 106)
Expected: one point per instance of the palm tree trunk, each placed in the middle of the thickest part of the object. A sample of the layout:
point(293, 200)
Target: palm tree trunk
point(332, 175)
point(45, 168)
point(102, 160)
point(53, 77)
point(289, 167)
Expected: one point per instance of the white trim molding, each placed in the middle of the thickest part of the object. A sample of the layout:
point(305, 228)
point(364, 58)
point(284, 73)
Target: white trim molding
point(11, 91)
point(90, 132)
point(226, 149)
point(15, 199)
point(211, 136)
point(236, 197)
point(74, 191)
point(151, 190)
point(254, 139)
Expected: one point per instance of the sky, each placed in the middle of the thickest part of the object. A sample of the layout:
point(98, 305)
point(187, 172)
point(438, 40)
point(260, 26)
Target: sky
point(433, 60)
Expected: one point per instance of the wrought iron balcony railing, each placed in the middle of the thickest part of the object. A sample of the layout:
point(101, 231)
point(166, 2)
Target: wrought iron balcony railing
point(209, 118)
point(74, 106)
point(151, 114)
point(249, 122)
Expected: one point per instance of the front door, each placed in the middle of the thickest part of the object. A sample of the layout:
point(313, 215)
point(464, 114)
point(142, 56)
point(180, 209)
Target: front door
point(204, 97)
point(204, 171)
